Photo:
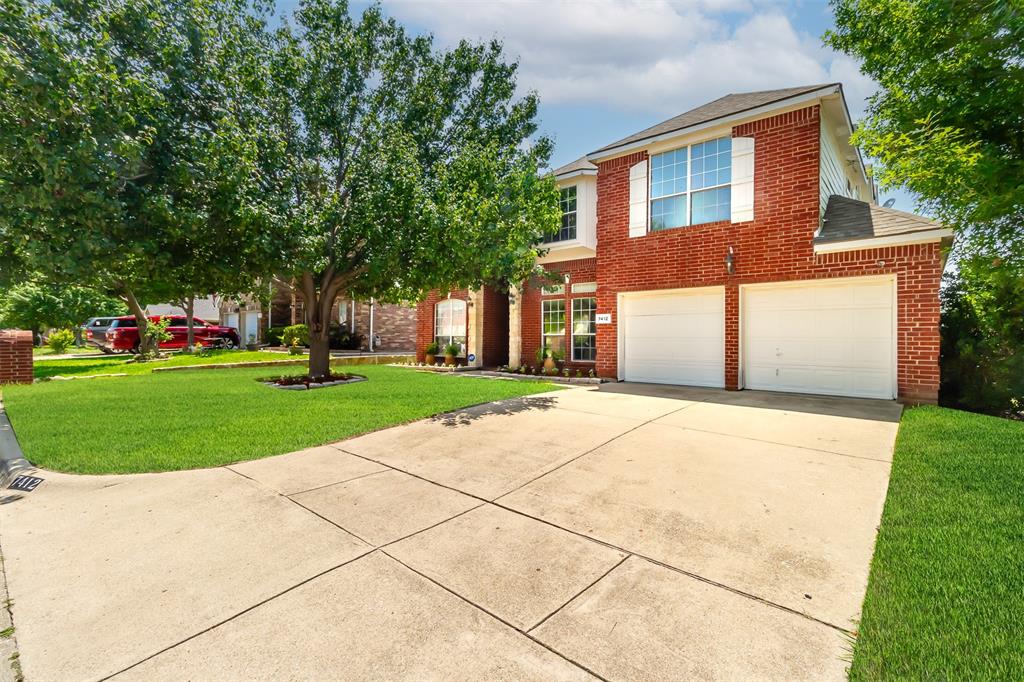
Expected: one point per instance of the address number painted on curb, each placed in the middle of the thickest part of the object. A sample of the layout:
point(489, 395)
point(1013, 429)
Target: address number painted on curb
point(25, 483)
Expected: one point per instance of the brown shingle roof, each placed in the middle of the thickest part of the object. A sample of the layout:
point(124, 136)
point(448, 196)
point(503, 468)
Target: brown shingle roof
point(848, 219)
point(580, 164)
point(724, 106)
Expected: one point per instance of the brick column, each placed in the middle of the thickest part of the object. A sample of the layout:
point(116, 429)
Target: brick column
point(15, 356)
point(732, 337)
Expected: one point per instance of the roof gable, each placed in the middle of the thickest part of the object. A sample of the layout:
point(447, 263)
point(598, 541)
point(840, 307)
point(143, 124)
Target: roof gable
point(722, 107)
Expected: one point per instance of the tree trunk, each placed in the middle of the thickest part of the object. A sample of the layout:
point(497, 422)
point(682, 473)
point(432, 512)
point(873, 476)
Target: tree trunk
point(147, 345)
point(190, 308)
point(319, 355)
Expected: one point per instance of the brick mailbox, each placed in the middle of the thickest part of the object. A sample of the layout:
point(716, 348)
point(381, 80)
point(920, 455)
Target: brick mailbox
point(15, 356)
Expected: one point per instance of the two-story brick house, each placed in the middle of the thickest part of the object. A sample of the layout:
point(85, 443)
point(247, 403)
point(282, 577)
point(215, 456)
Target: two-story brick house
point(738, 245)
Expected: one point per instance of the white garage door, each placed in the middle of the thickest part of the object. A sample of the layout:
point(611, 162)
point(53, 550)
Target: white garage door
point(833, 338)
point(675, 338)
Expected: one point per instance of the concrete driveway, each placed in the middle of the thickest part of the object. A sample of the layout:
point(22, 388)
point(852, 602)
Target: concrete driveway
point(631, 532)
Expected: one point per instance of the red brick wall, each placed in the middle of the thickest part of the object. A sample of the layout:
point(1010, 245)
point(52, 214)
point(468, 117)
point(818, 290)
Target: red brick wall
point(581, 270)
point(15, 356)
point(776, 246)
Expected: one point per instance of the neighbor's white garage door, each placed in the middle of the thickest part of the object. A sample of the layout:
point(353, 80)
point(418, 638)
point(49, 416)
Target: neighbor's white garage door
point(833, 338)
point(675, 338)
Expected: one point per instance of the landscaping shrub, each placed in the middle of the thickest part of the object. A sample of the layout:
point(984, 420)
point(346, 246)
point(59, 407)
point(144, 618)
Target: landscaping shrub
point(296, 332)
point(273, 336)
point(61, 340)
point(340, 338)
point(983, 331)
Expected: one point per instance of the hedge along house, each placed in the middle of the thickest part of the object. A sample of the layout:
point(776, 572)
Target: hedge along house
point(738, 245)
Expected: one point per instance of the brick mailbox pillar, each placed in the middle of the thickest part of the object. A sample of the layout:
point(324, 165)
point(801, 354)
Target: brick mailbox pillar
point(15, 356)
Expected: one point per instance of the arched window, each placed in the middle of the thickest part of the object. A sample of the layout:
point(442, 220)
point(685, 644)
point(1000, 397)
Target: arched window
point(450, 323)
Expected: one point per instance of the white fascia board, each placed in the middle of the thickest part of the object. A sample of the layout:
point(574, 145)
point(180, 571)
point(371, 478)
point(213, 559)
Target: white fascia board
point(880, 242)
point(575, 174)
point(739, 116)
point(570, 250)
point(850, 125)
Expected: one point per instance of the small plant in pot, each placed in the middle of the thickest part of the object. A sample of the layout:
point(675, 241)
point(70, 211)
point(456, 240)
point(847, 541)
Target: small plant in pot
point(430, 352)
point(252, 345)
point(549, 357)
point(295, 348)
point(451, 351)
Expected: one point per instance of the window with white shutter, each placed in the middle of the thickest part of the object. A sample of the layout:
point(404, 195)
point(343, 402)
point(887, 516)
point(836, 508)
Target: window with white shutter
point(742, 179)
point(638, 199)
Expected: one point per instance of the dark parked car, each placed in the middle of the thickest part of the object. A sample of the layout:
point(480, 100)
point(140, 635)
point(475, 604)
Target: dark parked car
point(94, 331)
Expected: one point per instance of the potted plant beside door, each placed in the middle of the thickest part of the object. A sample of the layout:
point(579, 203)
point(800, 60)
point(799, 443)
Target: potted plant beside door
point(549, 357)
point(430, 352)
point(451, 351)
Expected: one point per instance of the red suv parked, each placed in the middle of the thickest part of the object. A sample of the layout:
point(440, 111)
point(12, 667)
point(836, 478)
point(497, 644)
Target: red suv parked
point(123, 334)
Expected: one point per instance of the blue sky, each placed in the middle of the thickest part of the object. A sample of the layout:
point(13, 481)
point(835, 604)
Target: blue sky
point(607, 68)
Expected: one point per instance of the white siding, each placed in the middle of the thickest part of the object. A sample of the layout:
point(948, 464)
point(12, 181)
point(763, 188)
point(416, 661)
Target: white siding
point(832, 179)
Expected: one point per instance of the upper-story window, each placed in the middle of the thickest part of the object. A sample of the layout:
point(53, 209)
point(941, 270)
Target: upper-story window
point(691, 185)
point(568, 204)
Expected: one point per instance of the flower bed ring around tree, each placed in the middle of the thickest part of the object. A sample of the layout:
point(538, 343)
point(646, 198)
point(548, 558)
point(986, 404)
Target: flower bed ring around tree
point(304, 382)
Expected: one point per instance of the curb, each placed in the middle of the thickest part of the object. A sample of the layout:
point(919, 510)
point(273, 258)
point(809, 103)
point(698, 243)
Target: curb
point(12, 460)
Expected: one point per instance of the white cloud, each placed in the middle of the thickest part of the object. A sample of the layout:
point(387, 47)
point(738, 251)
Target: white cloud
point(655, 56)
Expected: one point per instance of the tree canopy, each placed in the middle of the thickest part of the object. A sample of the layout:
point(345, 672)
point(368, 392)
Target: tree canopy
point(129, 142)
point(948, 120)
point(406, 167)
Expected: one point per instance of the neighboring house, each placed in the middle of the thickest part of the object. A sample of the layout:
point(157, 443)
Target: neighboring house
point(737, 245)
point(204, 308)
point(392, 325)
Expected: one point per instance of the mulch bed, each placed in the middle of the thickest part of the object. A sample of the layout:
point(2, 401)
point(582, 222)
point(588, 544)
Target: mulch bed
point(302, 382)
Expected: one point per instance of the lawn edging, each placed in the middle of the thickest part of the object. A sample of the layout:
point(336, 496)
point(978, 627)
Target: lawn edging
point(353, 360)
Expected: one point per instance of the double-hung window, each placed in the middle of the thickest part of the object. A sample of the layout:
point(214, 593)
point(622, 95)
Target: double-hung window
point(567, 201)
point(691, 185)
point(553, 324)
point(584, 330)
point(450, 323)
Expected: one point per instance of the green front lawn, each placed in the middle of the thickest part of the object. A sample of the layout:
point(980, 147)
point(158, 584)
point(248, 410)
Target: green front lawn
point(945, 599)
point(184, 420)
point(114, 364)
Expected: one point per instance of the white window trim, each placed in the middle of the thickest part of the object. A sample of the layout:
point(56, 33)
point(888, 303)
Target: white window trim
point(572, 330)
point(584, 288)
point(543, 335)
point(689, 188)
point(464, 335)
point(575, 212)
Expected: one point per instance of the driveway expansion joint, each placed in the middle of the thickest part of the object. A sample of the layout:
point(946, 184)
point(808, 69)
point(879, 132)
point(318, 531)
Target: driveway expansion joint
point(369, 550)
point(599, 541)
point(579, 594)
point(493, 615)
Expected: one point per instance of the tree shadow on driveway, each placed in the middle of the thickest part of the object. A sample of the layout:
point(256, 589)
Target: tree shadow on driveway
point(468, 415)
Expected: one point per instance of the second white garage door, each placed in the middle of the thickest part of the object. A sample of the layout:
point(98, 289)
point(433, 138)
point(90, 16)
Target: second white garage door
point(834, 337)
point(675, 337)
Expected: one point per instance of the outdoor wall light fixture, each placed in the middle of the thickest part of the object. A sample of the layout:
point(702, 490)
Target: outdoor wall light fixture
point(730, 262)
point(511, 298)
point(567, 278)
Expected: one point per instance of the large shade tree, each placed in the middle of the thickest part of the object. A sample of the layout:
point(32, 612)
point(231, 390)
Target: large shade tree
point(405, 167)
point(129, 134)
point(948, 119)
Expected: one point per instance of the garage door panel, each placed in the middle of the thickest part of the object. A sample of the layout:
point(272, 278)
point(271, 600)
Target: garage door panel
point(831, 337)
point(677, 338)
